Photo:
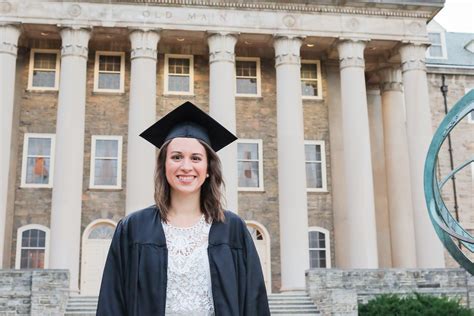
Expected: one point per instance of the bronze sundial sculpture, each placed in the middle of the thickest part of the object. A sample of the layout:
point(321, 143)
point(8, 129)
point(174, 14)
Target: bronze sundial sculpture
point(452, 235)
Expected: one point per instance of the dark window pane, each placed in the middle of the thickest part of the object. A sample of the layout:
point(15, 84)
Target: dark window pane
point(109, 63)
point(246, 68)
point(45, 61)
point(309, 71)
point(178, 66)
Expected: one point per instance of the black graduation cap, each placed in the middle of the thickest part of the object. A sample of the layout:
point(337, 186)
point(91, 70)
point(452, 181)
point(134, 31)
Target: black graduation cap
point(188, 121)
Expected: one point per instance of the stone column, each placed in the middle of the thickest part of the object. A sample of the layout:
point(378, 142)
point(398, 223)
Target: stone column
point(66, 206)
point(398, 170)
point(9, 35)
point(374, 107)
point(361, 234)
point(141, 155)
point(294, 247)
point(419, 130)
point(222, 105)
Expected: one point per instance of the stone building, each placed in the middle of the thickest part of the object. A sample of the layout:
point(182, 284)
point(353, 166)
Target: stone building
point(330, 100)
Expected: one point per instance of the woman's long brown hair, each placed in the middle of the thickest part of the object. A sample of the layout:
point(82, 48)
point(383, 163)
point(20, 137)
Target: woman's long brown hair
point(211, 190)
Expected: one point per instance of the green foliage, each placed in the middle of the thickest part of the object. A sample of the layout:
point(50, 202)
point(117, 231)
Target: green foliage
point(414, 305)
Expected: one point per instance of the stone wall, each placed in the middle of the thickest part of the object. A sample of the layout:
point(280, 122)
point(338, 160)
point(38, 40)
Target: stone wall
point(33, 292)
point(338, 291)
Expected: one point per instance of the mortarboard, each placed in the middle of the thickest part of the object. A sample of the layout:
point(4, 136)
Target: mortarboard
point(188, 121)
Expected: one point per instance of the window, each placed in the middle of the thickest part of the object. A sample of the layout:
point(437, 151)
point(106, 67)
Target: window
point(106, 162)
point(179, 74)
point(247, 76)
point(315, 156)
point(250, 164)
point(319, 253)
point(38, 162)
point(438, 46)
point(311, 79)
point(44, 69)
point(109, 72)
point(32, 247)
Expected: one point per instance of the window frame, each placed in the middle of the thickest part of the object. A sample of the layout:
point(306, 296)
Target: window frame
point(321, 143)
point(19, 239)
point(31, 69)
point(442, 39)
point(191, 74)
point(327, 236)
point(259, 143)
point(318, 79)
point(24, 164)
point(122, 71)
point(259, 76)
point(94, 139)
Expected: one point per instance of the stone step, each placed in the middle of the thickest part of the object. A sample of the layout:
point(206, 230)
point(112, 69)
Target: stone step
point(280, 304)
point(295, 307)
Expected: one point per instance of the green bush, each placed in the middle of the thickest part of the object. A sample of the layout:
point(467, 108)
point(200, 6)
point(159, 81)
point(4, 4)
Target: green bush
point(414, 305)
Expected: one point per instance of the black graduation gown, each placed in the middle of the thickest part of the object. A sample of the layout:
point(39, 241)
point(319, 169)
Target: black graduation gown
point(135, 274)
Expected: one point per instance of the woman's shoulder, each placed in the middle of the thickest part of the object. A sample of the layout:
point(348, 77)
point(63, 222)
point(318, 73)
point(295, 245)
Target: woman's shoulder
point(143, 226)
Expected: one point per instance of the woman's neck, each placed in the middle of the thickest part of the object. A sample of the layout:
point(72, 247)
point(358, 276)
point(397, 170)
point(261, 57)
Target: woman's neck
point(185, 205)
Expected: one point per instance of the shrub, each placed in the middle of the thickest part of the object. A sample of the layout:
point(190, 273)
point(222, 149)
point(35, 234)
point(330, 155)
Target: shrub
point(414, 305)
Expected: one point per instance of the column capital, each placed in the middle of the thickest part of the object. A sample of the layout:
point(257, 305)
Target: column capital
point(75, 40)
point(413, 56)
point(351, 52)
point(9, 34)
point(144, 43)
point(390, 79)
point(287, 49)
point(222, 46)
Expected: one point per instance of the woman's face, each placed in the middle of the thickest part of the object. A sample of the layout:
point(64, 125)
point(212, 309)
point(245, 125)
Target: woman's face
point(186, 165)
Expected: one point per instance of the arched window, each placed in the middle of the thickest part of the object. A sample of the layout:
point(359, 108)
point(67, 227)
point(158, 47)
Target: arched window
point(319, 252)
point(32, 247)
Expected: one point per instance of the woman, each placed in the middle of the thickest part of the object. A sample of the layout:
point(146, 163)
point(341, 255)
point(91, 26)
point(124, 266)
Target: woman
point(184, 256)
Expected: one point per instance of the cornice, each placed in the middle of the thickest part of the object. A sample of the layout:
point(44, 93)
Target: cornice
point(288, 7)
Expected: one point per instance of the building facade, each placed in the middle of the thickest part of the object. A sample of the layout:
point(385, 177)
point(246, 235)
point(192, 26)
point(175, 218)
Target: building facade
point(331, 104)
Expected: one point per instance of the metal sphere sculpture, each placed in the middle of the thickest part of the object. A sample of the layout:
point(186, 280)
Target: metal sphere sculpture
point(450, 232)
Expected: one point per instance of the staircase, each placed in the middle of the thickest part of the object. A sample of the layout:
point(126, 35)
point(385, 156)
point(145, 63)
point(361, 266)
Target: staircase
point(292, 304)
point(280, 304)
point(81, 306)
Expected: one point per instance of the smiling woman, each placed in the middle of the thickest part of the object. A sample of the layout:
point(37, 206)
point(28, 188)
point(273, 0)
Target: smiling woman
point(185, 255)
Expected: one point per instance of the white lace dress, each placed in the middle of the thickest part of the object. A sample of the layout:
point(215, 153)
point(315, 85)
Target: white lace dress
point(189, 290)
